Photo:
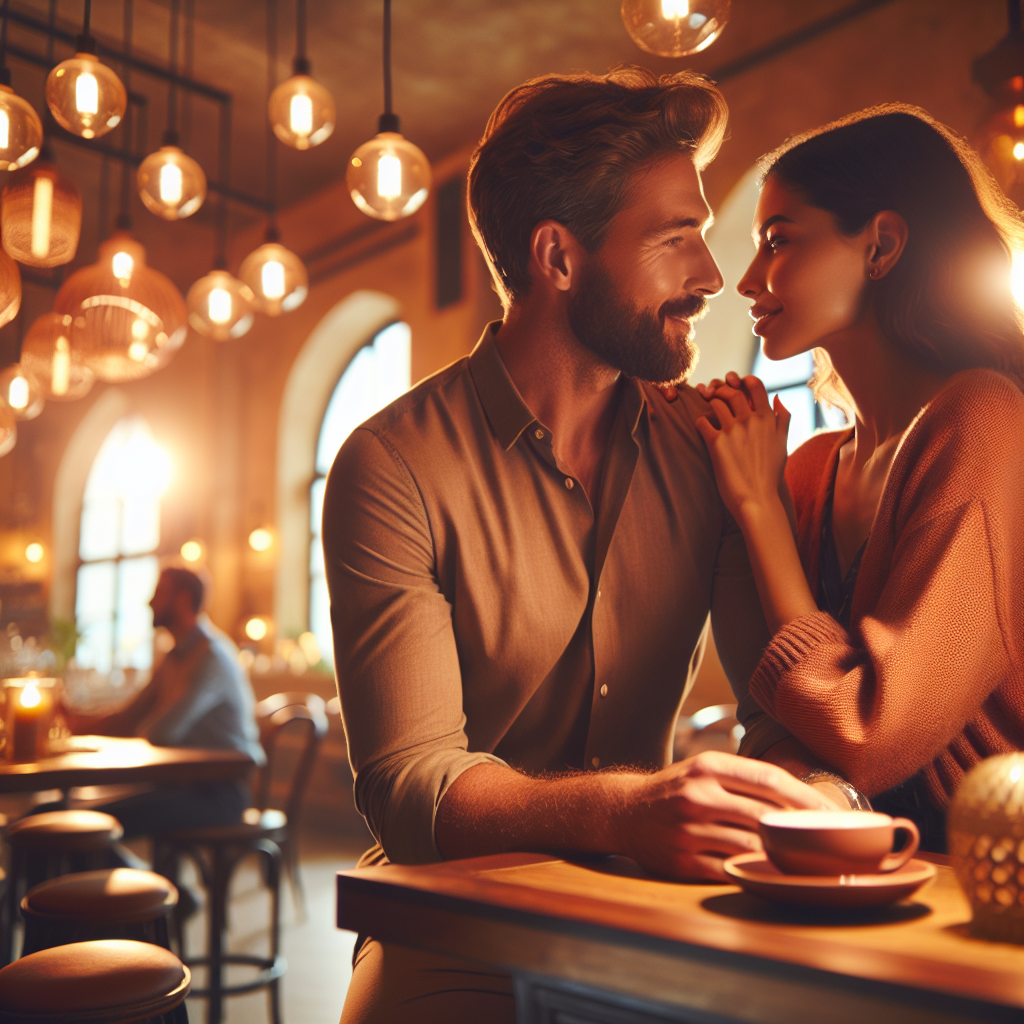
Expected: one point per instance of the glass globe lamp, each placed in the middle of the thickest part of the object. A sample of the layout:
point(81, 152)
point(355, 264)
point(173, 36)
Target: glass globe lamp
point(41, 217)
point(49, 353)
point(276, 277)
point(675, 28)
point(1000, 143)
point(21, 392)
point(8, 429)
point(128, 319)
point(21, 131)
point(388, 177)
point(85, 96)
point(220, 306)
point(301, 110)
point(10, 288)
point(171, 183)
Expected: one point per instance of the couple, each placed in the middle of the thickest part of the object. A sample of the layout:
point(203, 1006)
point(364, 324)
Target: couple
point(523, 550)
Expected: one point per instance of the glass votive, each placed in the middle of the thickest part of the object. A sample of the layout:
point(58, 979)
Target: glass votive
point(29, 705)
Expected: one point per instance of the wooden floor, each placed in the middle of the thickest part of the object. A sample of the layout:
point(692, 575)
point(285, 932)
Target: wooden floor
point(319, 956)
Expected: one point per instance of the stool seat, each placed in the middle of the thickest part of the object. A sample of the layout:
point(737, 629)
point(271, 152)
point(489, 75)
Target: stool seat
point(66, 831)
point(111, 979)
point(115, 896)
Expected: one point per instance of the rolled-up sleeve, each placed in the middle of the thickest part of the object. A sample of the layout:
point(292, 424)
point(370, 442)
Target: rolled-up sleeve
point(395, 653)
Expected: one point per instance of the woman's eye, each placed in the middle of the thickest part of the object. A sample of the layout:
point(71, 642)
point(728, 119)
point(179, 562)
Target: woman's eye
point(773, 244)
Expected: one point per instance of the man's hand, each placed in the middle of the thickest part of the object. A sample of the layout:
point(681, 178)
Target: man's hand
point(686, 819)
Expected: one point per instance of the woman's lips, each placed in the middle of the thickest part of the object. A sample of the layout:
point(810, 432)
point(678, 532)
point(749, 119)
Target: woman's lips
point(761, 321)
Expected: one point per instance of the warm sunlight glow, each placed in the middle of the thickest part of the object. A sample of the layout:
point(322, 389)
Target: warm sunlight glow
point(42, 216)
point(171, 184)
point(34, 552)
point(218, 306)
point(300, 114)
point(675, 8)
point(87, 93)
point(1017, 278)
point(30, 697)
point(1018, 151)
point(192, 551)
point(261, 539)
point(389, 176)
point(122, 265)
point(60, 371)
point(18, 393)
point(310, 648)
point(256, 628)
point(272, 280)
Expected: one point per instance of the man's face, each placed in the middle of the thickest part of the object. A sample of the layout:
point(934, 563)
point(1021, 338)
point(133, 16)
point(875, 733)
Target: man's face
point(639, 295)
point(162, 603)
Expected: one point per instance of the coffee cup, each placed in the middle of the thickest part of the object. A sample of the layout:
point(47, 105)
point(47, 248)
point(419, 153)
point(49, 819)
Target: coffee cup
point(836, 842)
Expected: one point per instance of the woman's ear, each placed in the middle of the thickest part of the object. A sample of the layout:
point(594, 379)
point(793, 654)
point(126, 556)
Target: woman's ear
point(554, 255)
point(887, 238)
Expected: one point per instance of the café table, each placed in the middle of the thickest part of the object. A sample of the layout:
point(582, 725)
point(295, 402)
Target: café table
point(598, 942)
point(83, 761)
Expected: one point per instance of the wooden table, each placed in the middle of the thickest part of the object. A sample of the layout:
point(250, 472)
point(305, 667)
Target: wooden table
point(600, 943)
point(112, 760)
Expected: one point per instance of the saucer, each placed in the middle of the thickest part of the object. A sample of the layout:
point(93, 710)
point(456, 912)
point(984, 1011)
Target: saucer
point(755, 873)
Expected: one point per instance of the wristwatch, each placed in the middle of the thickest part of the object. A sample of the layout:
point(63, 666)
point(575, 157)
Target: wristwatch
point(857, 800)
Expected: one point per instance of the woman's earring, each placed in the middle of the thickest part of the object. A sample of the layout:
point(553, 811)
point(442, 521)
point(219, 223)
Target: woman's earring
point(873, 273)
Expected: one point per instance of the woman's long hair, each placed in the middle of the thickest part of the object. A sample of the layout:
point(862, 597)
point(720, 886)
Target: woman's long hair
point(947, 303)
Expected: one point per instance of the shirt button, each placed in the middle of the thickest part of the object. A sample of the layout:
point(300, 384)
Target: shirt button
point(596, 762)
point(604, 690)
point(539, 434)
point(569, 485)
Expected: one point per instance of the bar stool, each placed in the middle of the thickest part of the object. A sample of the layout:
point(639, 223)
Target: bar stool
point(107, 982)
point(119, 903)
point(47, 845)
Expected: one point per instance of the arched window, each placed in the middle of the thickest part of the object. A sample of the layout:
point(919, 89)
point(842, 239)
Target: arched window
point(378, 374)
point(118, 539)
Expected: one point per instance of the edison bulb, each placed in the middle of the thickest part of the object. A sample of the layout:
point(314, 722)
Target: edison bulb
point(8, 428)
point(85, 96)
point(1000, 142)
point(261, 539)
point(276, 277)
point(21, 392)
point(49, 353)
point(675, 28)
point(10, 288)
point(171, 183)
point(220, 306)
point(21, 131)
point(41, 217)
point(301, 112)
point(388, 177)
point(192, 550)
point(257, 628)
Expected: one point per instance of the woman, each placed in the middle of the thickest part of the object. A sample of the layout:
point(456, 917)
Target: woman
point(898, 612)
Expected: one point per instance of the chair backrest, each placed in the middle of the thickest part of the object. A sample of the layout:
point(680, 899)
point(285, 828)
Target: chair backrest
point(283, 780)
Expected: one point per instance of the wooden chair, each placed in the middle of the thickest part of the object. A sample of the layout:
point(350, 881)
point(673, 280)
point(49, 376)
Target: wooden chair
point(105, 982)
point(712, 728)
point(119, 903)
point(267, 830)
point(46, 846)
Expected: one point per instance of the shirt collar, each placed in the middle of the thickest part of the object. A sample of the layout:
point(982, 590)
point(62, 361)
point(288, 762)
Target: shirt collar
point(508, 414)
point(187, 642)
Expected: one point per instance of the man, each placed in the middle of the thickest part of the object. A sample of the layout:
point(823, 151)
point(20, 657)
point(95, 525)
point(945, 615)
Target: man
point(198, 697)
point(522, 551)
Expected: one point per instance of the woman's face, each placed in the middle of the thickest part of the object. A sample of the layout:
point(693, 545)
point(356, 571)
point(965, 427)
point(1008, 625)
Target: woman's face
point(807, 280)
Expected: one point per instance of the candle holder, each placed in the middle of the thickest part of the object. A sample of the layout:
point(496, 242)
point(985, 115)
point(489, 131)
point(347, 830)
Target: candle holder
point(986, 841)
point(29, 705)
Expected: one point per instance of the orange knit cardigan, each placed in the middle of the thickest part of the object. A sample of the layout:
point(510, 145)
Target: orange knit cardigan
point(931, 673)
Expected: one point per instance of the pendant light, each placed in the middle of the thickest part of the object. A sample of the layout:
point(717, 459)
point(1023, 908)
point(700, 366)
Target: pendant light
point(171, 183)
point(8, 429)
point(85, 96)
point(388, 177)
point(10, 289)
point(21, 392)
point(41, 215)
point(220, 306)
point(301, 110)
point(276, 277)
point(21, 131)
point(675, 28)
point(1000, 140)
point(128, 319)
point(57, 365)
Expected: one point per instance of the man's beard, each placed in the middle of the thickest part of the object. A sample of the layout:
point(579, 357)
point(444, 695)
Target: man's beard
point(630, 339)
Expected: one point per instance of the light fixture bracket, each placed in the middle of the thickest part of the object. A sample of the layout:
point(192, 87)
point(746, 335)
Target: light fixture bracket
point(388, 123)
point(301, 66)
point(170, 138)
point(85, 44)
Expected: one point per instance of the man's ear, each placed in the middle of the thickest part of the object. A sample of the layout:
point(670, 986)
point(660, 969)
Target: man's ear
point(555, 255)
point(887, 238)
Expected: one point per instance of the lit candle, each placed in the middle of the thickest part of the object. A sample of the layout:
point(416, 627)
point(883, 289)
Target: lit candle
point(29, 711)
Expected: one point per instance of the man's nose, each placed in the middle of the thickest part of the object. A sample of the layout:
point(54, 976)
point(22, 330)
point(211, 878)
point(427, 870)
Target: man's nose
point(707, 280)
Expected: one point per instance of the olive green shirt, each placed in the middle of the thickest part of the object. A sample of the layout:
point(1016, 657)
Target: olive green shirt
point(482, 613)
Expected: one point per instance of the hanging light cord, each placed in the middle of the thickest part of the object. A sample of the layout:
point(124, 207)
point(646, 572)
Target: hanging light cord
point(300, 66)
point(272, 232)
point(5, 73)
point(1012, 14)
point(86, 43)
point(171, 134)
point(388, 120)
point(124, 217)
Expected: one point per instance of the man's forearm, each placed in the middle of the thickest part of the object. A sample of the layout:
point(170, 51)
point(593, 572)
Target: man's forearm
point(493, 809)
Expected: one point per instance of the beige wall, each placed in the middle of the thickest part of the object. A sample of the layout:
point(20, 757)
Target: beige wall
point(216, 407)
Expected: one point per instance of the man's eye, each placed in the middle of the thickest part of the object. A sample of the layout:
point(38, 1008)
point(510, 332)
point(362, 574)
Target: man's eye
point(674, 241)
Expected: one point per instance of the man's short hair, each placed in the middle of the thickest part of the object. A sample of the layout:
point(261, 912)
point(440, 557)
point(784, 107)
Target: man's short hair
point(189, 582)
point(564, 148)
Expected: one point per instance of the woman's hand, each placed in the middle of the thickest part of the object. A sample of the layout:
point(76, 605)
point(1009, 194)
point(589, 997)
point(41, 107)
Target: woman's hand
point(748, 449)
